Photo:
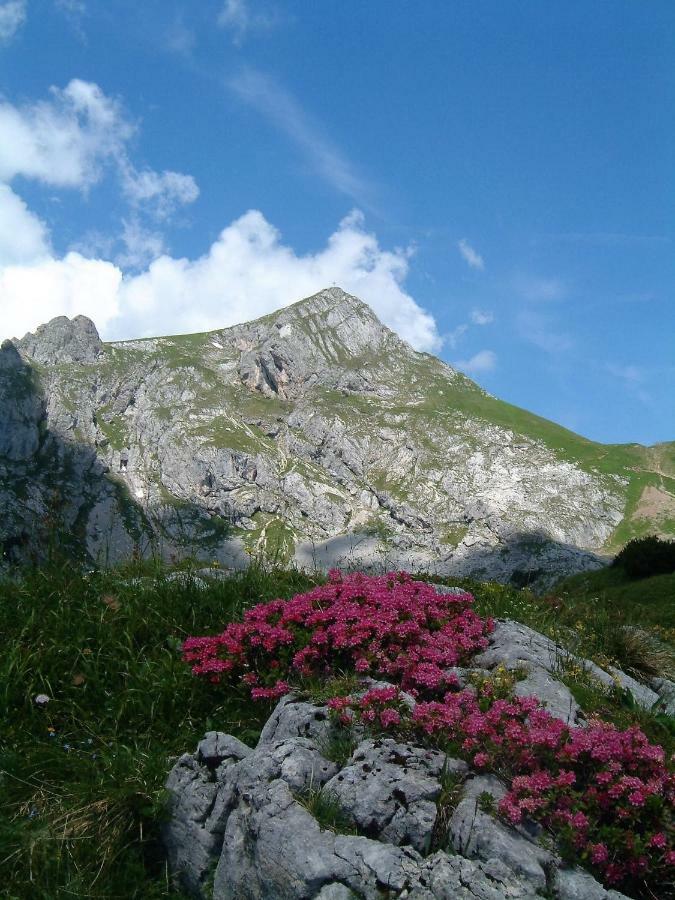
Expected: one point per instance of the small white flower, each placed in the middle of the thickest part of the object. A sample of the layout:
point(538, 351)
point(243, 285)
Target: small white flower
point(42, 699)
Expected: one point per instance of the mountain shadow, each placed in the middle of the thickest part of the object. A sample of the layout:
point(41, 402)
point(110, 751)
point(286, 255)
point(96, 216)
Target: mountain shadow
point(58, 496)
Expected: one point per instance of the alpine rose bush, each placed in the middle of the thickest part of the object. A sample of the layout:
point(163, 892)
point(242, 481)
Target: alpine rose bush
point(607, 795)
point(387, 627)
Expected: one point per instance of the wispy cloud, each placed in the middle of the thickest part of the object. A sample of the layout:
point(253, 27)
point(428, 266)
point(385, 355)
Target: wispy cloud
point(241, 19)
point(12, 17)
point(477, 317)
point(470, 256)
point(452, 338)
point(179, 38)
point(536, 289)
point(542, 330)
point(630, 373)
point(481, 317)
point(278, 105)
point(634, 379)
point(479, 363)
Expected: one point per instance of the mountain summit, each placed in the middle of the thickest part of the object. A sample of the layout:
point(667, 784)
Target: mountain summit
point(314, 434)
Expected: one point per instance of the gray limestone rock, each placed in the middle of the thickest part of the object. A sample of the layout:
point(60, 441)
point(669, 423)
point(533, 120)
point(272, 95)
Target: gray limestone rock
point(554, 695)
point(63, 340)
point(666, 694)
point(516, 646)
point(389, 790)
point(295, 718)
point(444, 877)
point(575, 884)
point(245, 814)
point(308, 433)
point(217, 747)
point(191, 847)
point(477, 834)
point(643, 696)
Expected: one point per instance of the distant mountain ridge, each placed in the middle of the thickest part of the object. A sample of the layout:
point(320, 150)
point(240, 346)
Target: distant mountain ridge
point(313, 434)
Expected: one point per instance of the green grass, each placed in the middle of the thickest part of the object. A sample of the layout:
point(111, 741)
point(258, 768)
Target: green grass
point(326, 809)
point(81, 779)
point(646, 601)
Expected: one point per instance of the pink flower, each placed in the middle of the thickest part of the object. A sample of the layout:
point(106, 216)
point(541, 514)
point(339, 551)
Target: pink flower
point(389, 717)
point(599, 853)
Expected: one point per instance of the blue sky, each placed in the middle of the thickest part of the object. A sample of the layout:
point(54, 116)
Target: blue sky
point(495, 178)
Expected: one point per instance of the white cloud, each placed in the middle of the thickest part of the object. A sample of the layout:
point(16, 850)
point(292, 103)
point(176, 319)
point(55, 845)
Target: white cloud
point(241, 19)
point(68, 140)
point(160, 192)
point(23, 237)
point(12, 17)
point(64, 141)
point(474, 259)
point(481, 317)
point(32, 294)
point(483, 361)
point(281, 108)
point(141, 245)
point(247, 272)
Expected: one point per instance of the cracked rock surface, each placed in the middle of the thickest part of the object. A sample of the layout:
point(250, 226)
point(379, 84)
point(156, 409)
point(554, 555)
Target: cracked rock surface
point(241, 825)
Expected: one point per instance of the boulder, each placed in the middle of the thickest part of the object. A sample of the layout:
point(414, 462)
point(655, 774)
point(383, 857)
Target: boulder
point(241, 824)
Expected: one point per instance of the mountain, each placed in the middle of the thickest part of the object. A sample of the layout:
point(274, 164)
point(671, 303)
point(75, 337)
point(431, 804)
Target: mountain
point(314, 433)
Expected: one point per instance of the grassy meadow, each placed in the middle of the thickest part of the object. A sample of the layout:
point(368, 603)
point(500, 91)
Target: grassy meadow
point(81, 776)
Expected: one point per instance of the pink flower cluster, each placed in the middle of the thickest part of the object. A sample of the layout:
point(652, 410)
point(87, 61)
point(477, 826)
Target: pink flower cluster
point(607, 794)
point(382, 707)
point(388, 627)
point(609, 797)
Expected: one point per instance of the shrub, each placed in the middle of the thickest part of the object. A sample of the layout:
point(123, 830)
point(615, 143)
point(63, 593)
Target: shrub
point(387, 627)
point(646, 556)
point(607, 794)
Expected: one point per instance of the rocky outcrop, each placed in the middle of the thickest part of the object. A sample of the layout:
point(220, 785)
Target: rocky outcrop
point(319, 810)
point(314, 434)
point(63, 340)
point(243, 823)
point(21, 411)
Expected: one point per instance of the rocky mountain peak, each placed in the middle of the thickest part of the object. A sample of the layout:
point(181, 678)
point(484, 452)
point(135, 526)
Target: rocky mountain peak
point(320, 340)
point(63, 340)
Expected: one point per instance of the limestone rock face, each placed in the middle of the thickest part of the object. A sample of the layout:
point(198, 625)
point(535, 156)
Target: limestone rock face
point(20, 409)
point(314, 434)
point(242, 826)
point(63, 340)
